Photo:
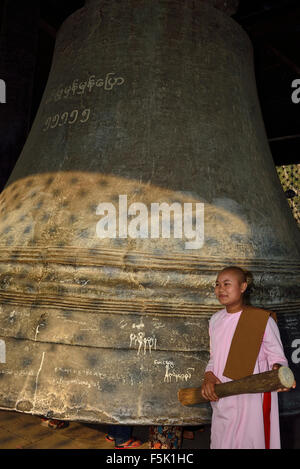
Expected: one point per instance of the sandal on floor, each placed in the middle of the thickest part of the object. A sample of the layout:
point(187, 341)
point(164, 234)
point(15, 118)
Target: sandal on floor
point(132, 443)
point(54, 424)
point(57, 424)
point(188, 434)
point(109, 438)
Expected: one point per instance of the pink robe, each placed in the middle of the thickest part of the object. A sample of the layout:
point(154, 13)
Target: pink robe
point(237, 421)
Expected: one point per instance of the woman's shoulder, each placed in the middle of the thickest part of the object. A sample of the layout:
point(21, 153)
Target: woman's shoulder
point(217, 316)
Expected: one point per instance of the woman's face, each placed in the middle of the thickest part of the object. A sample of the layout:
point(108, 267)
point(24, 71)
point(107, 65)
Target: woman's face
point(229, 288)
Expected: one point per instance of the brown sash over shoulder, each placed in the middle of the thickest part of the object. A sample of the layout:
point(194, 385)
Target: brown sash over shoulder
point(246, 342)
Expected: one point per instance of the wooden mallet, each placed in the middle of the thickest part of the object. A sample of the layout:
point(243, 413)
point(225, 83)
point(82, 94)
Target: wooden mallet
point(257, 383)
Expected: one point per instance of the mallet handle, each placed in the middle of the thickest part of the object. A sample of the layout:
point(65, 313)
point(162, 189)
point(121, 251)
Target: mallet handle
point(257, 383)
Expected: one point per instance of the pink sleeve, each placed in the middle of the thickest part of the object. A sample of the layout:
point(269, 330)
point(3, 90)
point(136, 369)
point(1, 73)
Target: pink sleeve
point(272, 345)
point(209, 366)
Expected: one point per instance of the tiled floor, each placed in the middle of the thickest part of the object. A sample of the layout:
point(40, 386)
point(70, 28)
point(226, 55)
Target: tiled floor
point(24, 431)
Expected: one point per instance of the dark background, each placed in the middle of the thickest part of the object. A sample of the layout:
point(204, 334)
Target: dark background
point(27, 37)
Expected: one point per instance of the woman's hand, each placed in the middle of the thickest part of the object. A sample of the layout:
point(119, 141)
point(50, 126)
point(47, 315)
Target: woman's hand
point(208, 386)
point(276, 366)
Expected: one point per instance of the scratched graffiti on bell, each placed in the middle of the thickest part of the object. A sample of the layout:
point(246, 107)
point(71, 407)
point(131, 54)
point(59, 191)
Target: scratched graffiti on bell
point(80, 87)
point(142, 343)
point(171, 374)
point(64, 118)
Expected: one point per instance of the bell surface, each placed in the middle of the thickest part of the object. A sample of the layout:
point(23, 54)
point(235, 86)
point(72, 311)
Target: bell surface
point(147, 170)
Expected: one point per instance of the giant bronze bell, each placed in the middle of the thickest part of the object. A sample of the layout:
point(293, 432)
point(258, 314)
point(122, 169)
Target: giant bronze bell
point(146, 171)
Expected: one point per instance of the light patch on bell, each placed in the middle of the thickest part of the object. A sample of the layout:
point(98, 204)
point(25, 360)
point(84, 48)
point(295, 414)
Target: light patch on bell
point(2, 352)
